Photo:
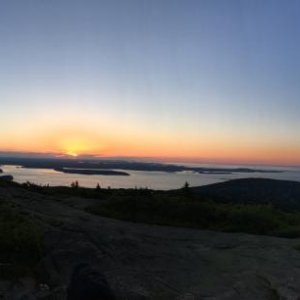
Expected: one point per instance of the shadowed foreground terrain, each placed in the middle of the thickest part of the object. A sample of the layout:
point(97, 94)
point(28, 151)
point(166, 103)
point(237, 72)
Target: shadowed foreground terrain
point(140, 261)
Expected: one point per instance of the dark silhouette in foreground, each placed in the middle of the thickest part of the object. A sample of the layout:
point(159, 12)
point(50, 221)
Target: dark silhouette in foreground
point(88, 284)
point(46, 231)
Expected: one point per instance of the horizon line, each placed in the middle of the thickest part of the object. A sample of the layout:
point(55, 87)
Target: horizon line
point(164, 159)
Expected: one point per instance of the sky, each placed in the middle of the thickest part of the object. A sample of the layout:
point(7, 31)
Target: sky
point(202, 80)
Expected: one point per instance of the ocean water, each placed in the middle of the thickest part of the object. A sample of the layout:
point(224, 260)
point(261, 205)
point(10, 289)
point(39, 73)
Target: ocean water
point(142, 179)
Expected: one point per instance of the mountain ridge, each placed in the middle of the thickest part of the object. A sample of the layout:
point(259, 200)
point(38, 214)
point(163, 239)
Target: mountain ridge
point(283, 194)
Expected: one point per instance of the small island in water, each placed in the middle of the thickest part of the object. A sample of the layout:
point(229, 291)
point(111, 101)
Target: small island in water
point(91, 172)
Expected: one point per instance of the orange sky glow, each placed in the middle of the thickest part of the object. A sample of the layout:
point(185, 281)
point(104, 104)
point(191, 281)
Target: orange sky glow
point(220, 149)
point(204, 81)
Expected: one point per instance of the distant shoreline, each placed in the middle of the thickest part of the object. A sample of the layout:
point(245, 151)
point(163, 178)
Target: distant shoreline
point(104, 167)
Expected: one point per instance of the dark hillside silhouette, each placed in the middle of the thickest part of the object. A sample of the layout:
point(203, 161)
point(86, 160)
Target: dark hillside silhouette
point(280, 193)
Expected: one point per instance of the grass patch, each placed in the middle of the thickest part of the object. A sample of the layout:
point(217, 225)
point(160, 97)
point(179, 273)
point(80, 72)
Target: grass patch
point(20, 243)
point(185, 210)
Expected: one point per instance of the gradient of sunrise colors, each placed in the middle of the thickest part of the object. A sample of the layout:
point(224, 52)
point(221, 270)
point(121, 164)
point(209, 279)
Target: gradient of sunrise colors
point(199, 80)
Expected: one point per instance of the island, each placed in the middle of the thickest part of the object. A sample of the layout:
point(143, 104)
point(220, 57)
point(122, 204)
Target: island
point(91, 172)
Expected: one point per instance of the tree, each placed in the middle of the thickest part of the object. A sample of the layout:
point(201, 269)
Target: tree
point(186, 186)
point(186, 192)
point(75, 185)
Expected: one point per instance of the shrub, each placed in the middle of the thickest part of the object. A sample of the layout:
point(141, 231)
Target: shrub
point(20, 242)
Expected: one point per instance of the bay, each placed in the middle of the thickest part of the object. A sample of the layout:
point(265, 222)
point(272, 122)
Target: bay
point(143, 179)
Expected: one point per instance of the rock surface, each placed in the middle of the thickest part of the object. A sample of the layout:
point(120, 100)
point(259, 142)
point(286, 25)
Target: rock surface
point(6, 177)
point(154, 262)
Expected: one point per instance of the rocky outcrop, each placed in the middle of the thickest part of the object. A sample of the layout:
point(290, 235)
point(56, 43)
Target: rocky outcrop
point(88, 283)
point(6, 178)
point(155, 262)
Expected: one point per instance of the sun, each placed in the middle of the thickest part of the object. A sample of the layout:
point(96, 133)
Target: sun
point(75, 145)
point(71, 153)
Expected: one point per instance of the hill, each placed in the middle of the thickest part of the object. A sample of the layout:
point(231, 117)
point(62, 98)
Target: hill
point(140, 261)
point(280, 193)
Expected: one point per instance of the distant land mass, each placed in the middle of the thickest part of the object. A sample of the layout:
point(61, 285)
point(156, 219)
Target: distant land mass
point(86, 165)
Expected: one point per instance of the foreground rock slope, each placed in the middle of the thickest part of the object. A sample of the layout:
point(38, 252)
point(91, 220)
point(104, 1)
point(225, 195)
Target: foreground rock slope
point(154, 262)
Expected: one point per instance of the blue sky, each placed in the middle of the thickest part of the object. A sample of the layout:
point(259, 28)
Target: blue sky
point(201, 74)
